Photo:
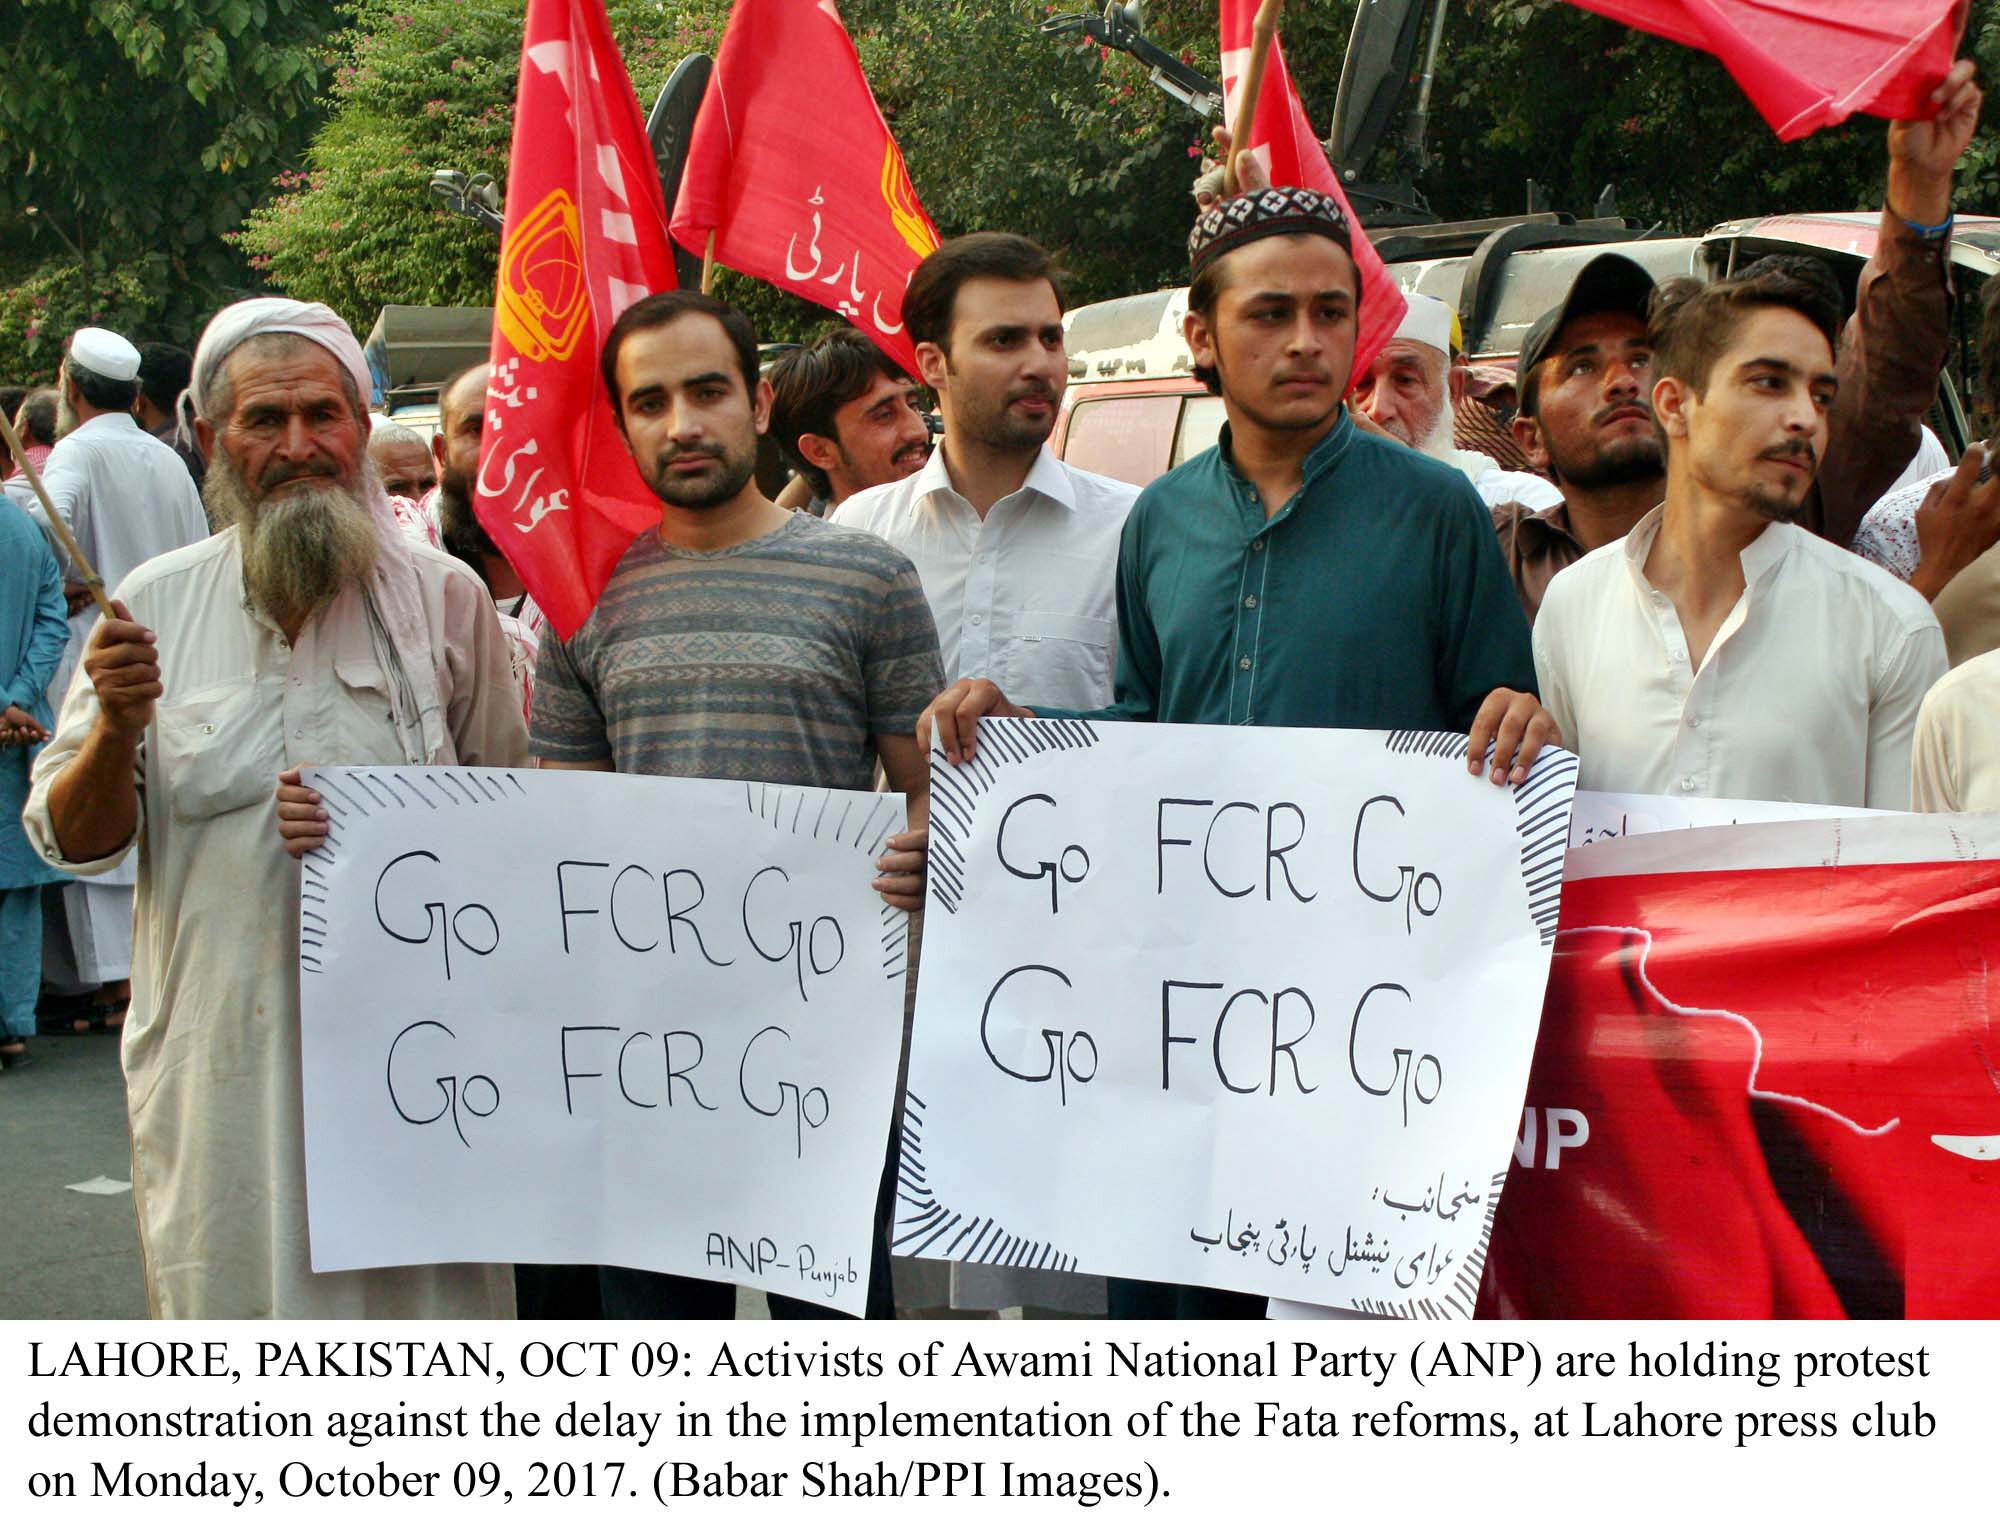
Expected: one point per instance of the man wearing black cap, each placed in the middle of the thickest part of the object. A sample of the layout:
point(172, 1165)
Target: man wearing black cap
point(1301, 573)
point(1586, 417)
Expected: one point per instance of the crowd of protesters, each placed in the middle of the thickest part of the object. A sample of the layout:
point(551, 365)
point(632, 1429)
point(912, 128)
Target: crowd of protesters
point(1691, 554)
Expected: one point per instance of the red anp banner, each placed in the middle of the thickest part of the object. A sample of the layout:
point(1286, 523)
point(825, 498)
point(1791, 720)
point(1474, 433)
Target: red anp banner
point(1764, 1092)
point(586, 236)
point(1284, 142)
point(1806, 65)
point(793, 169)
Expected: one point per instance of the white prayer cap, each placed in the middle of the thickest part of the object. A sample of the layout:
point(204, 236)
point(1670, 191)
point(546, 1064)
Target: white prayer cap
point(104, 353)
point(235, 325)
point(1428, 321)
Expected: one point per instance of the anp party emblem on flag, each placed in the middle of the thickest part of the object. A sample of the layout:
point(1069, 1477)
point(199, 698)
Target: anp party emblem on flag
point(544, 307)
point(586, 236)
point(905, 211)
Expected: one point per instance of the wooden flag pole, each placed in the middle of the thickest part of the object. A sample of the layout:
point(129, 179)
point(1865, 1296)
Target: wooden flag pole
point(708, 266)
point(1262, 29)
point(92, 581)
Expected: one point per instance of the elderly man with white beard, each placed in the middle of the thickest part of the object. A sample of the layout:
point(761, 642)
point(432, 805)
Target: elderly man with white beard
point(1411, 391)
point(307, 631)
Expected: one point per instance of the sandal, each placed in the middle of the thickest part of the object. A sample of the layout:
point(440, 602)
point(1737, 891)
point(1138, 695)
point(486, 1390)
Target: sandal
point(106, 1016)
point(63, 1016)
point(15, 1052)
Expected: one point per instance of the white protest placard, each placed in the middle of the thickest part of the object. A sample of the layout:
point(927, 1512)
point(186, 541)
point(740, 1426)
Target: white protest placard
point(1239, 1007)
point(599, 1019)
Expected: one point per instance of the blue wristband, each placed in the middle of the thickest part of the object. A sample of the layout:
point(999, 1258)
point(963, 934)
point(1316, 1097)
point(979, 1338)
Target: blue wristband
point(1931, 234)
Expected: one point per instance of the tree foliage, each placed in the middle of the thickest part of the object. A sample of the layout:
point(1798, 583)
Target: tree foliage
point(158, 124)
point(422, 85)
point(140, 132)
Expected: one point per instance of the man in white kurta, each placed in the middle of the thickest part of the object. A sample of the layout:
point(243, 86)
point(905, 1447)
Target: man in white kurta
point(1719, 649)
point(125, 497)
point(406, 667)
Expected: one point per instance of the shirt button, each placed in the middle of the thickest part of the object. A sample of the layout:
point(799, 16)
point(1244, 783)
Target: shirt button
point(1694, 722)
point(1250, 602)
point(1244, 662)
point(1257, 546)
point(1687, 782)
point(298, 732)
point(976, 619)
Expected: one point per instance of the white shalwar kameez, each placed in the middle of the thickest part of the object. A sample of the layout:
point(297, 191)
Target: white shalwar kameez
point(211, 1047)
point(125, 497)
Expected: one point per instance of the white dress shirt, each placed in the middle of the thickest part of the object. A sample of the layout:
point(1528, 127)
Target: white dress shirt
point(1028, 597)
point(1808, 693)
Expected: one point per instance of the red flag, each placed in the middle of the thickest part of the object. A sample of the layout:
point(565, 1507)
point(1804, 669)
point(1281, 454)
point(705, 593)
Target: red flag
point(793, 169)
point(586, 236)
point(1284, 143)
point(1805, 65)
point(1761, 1092)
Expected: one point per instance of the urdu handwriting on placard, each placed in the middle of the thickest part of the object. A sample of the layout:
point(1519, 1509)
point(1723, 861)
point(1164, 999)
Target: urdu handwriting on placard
point(1428, 1262)
point(1434, 1200)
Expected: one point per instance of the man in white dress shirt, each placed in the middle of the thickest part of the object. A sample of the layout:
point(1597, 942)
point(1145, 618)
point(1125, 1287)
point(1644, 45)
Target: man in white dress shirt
point(126, 497)
point(1719, 649)
point(1018, 552)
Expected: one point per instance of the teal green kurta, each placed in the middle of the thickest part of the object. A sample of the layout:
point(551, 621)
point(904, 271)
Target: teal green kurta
point(1377, 598)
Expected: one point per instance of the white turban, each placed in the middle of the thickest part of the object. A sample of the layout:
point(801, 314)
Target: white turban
point(1427, 320)
point(235, 325)
point(395, 606)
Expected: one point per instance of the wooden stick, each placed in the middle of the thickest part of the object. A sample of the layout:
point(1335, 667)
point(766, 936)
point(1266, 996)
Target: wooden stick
point(708, 266)
point(92, 581)
point(1262, 29)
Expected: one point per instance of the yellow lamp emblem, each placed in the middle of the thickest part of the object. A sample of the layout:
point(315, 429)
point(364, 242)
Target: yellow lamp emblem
point(904, 209)
point(543, 304)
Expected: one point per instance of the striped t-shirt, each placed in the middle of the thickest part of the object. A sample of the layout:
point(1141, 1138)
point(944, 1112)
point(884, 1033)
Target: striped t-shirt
point(779, 660)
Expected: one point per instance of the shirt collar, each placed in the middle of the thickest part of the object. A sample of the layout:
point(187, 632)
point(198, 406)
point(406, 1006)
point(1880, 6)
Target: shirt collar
point(1047, 477)
point(1552, 519)
point(109, 421)
point(1325, 453)
point(1765, 552)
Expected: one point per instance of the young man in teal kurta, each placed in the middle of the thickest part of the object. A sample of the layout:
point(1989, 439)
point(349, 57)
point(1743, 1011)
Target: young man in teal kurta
point(1301, 573)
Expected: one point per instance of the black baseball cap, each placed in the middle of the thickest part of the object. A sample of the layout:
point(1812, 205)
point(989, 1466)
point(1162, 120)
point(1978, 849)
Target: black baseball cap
point(1609, 282)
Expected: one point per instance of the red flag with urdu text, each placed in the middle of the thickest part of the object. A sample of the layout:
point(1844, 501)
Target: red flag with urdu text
point(586, 236)
point(793, 169)
point(1807, 65)
point(1285, 144)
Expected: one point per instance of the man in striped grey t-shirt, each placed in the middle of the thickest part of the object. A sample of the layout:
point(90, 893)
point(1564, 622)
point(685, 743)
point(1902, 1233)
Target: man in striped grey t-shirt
point(740, 641)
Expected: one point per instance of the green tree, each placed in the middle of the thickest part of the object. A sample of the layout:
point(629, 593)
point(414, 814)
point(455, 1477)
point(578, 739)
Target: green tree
point(134, 134)
point(422, 85)
point(1003, 127)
